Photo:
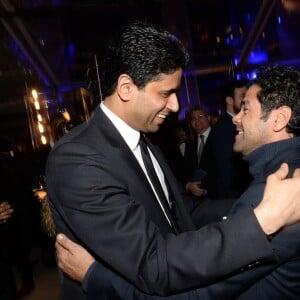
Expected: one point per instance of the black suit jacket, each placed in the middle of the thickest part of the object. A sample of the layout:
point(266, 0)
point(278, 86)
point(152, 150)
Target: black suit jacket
point(101, 198)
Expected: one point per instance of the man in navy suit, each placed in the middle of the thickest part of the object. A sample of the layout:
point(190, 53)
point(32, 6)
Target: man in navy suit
point(102, 197)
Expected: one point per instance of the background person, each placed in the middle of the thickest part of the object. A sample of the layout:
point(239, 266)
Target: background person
point(227, 174)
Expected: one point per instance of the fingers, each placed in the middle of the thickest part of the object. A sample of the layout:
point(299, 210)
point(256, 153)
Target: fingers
point(282, 172)
point(273, 213)
point(62, 251)
point(5, 211)
point(296, 173)
point(64, 242)
point(4, 206)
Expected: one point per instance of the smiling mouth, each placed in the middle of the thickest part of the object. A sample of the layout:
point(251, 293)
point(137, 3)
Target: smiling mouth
point(161, 116)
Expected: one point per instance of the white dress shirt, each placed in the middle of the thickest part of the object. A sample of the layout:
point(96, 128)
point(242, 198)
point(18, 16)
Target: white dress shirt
point(132, 137)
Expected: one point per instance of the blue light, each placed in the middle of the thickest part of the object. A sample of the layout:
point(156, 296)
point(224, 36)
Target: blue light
point(248, 16)
point(253, 75)
point(227, 40)
point(257, 57)
point(238, 76)
point(71, 49)
point(56, 2)
point(279, 20)
point(70, 54)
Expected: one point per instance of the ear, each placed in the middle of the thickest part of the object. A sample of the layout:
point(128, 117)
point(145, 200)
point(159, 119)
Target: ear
point(229, 100)
point(282, 117)
point(125, 87)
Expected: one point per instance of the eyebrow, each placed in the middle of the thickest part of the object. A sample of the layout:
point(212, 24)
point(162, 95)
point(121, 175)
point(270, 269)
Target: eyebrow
point(171, 91)
point(244, 101)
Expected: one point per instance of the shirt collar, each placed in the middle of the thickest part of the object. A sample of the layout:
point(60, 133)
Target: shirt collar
point(130, 135)
point(230, 113)
point(206, 132)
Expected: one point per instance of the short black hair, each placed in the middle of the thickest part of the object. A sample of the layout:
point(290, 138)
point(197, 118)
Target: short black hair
point(142, 51)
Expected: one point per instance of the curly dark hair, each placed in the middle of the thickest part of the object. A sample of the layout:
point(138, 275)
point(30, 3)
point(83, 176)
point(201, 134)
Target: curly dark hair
point(280, 86)
point(142, 51)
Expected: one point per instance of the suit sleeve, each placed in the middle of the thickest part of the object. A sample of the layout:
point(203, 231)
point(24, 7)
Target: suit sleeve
point(95, 206)
point(105, 284)
point(102, 283)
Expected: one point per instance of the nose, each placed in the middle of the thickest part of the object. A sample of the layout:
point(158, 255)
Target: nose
point(172, 103)
point(237, 118)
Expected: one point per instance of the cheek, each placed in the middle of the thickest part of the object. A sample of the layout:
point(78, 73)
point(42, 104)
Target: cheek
point(255, 132)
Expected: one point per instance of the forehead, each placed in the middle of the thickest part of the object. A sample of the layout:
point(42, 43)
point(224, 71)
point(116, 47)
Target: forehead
point(169, 79)
point(251, 94)
point(198, 112)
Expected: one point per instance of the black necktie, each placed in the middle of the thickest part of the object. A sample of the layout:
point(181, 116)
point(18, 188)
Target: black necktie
point(200, 146)
point(156, 184)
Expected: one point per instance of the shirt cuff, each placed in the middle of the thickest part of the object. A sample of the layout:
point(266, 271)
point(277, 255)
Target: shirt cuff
point(85, 282)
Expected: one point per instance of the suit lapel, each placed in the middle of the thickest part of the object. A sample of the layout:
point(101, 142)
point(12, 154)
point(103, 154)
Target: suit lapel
point(131, 172)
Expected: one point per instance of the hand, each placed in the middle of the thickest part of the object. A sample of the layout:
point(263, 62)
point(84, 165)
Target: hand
point(73, 259)
point(195, 188)
point(5, 211)
point(280, 205)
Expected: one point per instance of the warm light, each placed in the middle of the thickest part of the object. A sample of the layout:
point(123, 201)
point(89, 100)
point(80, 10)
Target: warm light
point(218, 39)
point(44, 140)
point(66, 115)
point(291, 5)
point(37, 105)
point(41, 128)
point(34, 94)
point(39, 117)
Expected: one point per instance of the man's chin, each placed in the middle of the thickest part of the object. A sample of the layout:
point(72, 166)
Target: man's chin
point(237, 148)
point(153, 129)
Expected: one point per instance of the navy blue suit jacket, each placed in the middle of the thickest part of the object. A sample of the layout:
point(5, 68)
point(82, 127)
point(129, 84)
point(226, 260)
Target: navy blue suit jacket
point(261, 282)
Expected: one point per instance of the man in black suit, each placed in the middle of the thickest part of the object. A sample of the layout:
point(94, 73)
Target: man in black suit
point(227, 173)
point(198, 120)
point(101, 195)
point(268, 134)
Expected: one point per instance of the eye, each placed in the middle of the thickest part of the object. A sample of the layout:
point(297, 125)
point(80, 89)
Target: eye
point(166, 94)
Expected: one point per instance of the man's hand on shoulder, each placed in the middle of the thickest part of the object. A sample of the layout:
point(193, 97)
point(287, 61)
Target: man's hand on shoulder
point(280, 205)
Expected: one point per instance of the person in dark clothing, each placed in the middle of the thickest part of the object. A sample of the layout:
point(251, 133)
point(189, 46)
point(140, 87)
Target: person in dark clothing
point(268, 127)
point(7, 195)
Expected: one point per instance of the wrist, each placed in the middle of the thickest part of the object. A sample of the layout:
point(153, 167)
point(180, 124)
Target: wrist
point(267, 222)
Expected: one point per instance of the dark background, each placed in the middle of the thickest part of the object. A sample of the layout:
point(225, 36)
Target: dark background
point(53, 46)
